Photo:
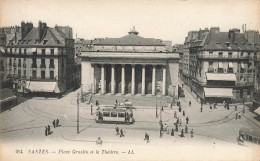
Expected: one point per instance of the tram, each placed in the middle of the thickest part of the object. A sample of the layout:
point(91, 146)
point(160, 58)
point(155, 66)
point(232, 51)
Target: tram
point(249, 135)
point(114, 114)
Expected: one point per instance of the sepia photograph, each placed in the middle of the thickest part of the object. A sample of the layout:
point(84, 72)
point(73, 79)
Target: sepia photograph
point(129, 80)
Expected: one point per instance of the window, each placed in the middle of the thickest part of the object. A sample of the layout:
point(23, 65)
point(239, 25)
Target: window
point(34, 74)
point(42, 74)
point(52, 51)
point(220, 54)
point(19, 73)
point(24, 73)
point(43, 51)
point(42, 61)
point(20, 51)
point(19, 62)
point(45, 41)
point(230, 54)
point(113, 114)
point(106, 114)
point(241, 54)
point(51, 74)
point(121, 114)
point(25, 52)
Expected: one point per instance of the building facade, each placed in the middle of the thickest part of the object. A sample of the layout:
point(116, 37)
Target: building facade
point(130, 65)
point(40, 59)
point(221, 65)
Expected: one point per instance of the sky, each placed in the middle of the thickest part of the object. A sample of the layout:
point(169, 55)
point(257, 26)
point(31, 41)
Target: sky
point(164, 19)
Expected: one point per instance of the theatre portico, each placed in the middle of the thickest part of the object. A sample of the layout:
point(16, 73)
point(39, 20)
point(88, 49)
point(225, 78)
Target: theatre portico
point(130, 65)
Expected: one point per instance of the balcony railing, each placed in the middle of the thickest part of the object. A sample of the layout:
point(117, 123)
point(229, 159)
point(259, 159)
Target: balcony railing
point(51, 66)
point(43, 66)
point(203, 56)
point(34, 65)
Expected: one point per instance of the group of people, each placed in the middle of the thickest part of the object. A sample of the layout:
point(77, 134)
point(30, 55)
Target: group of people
point(48, 128)
point(119, 132)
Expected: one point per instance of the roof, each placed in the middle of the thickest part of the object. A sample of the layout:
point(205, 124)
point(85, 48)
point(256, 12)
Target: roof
point(257, 111)
point(218, 92)
point(131, 40)
point(222, 41)
point(221, 76)
point(52, 37)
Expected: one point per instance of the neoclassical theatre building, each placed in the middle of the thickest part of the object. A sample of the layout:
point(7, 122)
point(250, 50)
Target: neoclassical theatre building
point(130, 65)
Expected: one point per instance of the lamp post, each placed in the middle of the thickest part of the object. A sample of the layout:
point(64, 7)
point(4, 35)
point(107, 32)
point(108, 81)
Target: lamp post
point(78, 114)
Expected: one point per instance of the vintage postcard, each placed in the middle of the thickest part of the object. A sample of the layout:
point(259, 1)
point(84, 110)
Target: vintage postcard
point(129, 80)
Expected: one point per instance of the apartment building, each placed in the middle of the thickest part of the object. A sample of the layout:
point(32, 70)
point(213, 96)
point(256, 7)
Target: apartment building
point(221, 65)
point(40, 59)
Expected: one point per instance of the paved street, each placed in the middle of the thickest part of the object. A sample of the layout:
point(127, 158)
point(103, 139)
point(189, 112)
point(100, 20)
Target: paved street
point(26, 123)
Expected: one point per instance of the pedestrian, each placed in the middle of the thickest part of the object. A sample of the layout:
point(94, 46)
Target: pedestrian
point(172, 133)
point(121, 133)
point(117, 130)
point(236, 115)
point(99, 141)
point(210, 108)
point(57, 122)
point(239, 115)
point(180, 122)
point(116, 101)
point(176, 127)
point(191, 133)
point(187, 120)
point(215, 105)
point(91, 108)
point(189, 103)
point(201, 109)
point(183, 112)
point(49, 129)
point(179, 108)
point(235, 107)
point(53, 123)
point(228, 106)
point(46, 131)
point(175, 114)
point(146, 137)
point(162, 108)
point(182, 133)
point(97, 103)
point(186, 129)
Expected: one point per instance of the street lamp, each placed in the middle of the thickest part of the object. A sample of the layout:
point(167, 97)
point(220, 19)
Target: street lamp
point(78, 113)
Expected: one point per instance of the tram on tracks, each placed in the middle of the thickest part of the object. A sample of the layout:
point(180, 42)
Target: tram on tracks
point(249, 135)
point(120, 113)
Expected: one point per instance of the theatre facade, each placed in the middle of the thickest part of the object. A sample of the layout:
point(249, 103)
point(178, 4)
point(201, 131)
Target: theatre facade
point(130, 65)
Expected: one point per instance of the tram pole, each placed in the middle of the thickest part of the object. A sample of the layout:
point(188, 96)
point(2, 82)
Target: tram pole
point(78, 114)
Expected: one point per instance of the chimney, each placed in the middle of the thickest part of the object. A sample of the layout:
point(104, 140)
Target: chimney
point(42, 27)
point(25, 28)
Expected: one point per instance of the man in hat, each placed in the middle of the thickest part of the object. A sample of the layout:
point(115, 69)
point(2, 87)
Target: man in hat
point(146, 137)
point(53, 123)
point(187, 120)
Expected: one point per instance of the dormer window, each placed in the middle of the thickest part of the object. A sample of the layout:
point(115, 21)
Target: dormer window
point(28, 41)
point(58, 42)
point(227, 43)
point(45, 41)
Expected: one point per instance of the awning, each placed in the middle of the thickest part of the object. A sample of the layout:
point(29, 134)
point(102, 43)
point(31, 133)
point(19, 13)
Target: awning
point(220, 64)
point(38, 86)
point(242, 65)
point(221, 76)
point(218, 92)
point(257, 111)
point(230, 64)
point(2, 49)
